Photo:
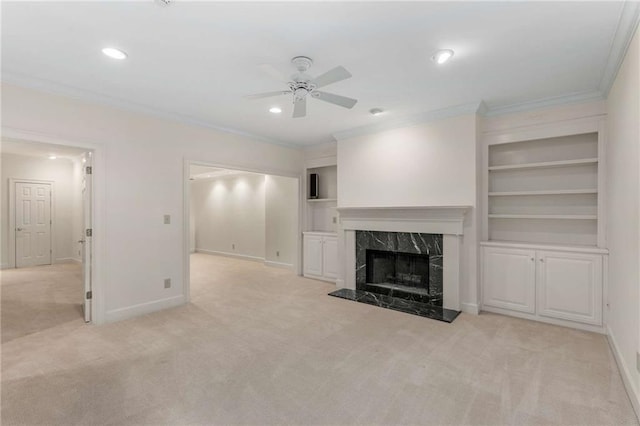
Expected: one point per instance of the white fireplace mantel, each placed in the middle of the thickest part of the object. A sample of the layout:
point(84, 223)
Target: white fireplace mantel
point(445, 220)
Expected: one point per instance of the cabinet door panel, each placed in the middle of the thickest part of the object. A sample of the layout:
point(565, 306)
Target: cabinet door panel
point(312, 255)
point(330, 258)
point(508, 278)
point(570, 286)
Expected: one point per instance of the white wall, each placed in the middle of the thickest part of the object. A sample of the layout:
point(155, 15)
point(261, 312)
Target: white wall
point(139, 177)
point(623, 201)
point(281, 217)
point(230, 215)
point(61, 172)
point(432, 164)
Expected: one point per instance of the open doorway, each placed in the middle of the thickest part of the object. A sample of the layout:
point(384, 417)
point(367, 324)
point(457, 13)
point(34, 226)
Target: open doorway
point(46, 203)
point(248, 216)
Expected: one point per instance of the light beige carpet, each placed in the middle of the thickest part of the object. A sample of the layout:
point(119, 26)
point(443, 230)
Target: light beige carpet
point(259, 345)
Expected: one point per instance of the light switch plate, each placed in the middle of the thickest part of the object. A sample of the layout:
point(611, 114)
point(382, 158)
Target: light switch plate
point(167, 283)
point(167, 219)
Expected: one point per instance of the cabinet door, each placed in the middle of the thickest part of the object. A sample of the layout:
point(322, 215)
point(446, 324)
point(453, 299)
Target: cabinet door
point(312, 255)
point(570, 286)
point(508, 278)
point(330, 258)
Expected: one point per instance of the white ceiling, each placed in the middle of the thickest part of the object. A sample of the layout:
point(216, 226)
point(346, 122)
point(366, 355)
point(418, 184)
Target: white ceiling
point(196, 60)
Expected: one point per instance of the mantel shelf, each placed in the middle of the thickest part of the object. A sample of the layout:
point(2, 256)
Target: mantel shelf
point(550, 192)
point(545, 216)
point(545, 164)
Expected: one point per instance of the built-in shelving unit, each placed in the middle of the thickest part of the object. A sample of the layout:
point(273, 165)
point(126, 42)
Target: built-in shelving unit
point(544, 190)
point(321, 211)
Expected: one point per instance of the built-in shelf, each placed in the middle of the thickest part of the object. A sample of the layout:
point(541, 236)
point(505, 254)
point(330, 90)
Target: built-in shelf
point(321, 200)
point(545, 164)
point(554, 192)
point(545, 216)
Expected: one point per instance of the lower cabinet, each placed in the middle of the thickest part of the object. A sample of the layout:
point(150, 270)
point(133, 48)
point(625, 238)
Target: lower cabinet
point(320, 255)
point(544, 283)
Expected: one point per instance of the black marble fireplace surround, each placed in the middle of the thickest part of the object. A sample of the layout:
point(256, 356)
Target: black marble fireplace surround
point(401, 271)
point(400, 264)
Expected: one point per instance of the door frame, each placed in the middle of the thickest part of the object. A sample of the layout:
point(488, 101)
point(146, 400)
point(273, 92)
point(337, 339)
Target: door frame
point(186, 212)
point(98, 203)
point(12, 218)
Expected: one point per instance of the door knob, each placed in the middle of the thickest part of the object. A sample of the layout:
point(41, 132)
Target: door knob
point(81, 241)
point(19, 229)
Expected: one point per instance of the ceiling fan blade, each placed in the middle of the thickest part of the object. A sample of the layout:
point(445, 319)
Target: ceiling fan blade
point(273, 72)
point(268, 94)
point(343, 101)
point(331, 76)
point(300, 108)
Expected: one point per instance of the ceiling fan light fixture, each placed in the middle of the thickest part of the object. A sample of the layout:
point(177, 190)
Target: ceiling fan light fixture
point(376, 111)
point(275, 110)
point(52, 157)
point(114, 53)
point(442, 56)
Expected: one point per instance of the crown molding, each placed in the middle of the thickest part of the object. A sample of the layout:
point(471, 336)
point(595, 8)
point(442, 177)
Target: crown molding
point(627, 24)
point(579, 97)
point(97, 98)
point(411, 120)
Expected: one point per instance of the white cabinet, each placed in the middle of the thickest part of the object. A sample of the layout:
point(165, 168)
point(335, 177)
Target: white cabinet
point(509, 277)
point(540, 282)
point(320, 255)
point(570, 286)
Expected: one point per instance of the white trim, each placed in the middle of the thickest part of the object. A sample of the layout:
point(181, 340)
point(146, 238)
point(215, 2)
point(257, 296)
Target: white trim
point(227, 254)
point(627, 380)
point(4, 266)
point(627, 24)
point(67, 260)
point(288, 266)
point(571, 98)
point(412, 120)
point(470, 308)
point(430, 220)
point(533, 246)
point(12, 219)
point(143, 308)
point(553, 321)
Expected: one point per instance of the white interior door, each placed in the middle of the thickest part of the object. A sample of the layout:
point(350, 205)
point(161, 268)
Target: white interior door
point(87, 233)
point(33, 224)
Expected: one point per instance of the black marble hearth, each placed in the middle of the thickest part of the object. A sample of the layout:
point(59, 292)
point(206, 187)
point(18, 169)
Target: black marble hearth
point(407, 306)
point(401, 265)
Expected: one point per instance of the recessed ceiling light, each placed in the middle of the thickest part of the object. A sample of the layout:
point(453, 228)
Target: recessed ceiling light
point(52, 157)
point(114, 53)
point(275, 110)
point(442, 56)
point(376, 111)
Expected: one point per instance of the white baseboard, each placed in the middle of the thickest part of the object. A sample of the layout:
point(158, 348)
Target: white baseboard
point(278, 265)
point(553, 321)
point(67, 260)
point(4, 266)
point(340, 283)
point(470, 308)
point(143, 308)
point(632, 392)
point(235, 255)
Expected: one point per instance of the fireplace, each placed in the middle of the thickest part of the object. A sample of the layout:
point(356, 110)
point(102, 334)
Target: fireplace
point(405, 265)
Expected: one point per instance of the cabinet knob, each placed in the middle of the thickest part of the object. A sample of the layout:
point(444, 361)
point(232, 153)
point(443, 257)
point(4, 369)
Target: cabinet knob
point(532, 259)
point(541, 260)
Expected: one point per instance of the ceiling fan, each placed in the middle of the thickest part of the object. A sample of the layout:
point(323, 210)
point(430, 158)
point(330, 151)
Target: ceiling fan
point(303, 86)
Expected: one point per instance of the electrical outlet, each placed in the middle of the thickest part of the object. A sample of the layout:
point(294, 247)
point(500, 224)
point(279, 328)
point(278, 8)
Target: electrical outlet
point(277, 254)
point(335, 219)
point(167, 283)
point(167, 219)
point(233, 246)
